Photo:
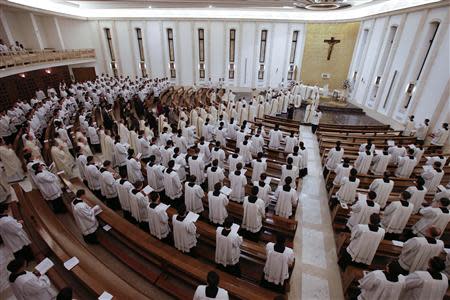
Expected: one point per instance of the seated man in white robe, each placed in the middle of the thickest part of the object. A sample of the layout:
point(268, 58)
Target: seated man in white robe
point(406, 165)
point(364, 243)
point(342, 170)
point(29, 285)
point(437, 214)
point(431, 284)
point(396, 152)
point(379, 284)
point(383, 187)
point(184, 231)
point(158, 220)
point(85, 218)
point(396, 215)
point(228, 247)
point(211, 290)
point(13, 235)
point(417, 251)
point(279, 259)
point(363, 209)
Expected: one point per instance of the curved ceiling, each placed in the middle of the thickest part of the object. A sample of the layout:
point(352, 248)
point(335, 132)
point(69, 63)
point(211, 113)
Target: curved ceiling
point(222, 9)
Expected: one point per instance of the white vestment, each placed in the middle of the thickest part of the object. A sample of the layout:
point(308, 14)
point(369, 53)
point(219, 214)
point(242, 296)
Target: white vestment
point(417, 252)
point(193, 197)
point(334, 158)
point(347, 190)
point(286, 199)
point(380, 163)
point(214, 177)
point(13, 235)
point(228, 248)
point(237, 185)
point(383, 190)
point(374, 285)
point(396, 216)
point(361, 212)
point(362, 163)
point(85, 218)
point(158, 221)
point(253, 214)
point(275, 139)
point(420, 285)
point(217, 207)
point(11, 163)
point(276, 269)
point(184, 234)
point(406, 166)
point(364, 243)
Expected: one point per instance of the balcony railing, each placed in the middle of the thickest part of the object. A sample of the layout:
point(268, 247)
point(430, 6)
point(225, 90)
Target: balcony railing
point(13, 59)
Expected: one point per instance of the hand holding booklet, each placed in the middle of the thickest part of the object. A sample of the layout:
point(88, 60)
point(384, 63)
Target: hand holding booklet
point(97, 209)
point(45, 265)
point(225, 190)
point(192, 217)
point(147, 190)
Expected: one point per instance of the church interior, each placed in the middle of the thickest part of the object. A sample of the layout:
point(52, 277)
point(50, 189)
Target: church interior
point(224, 149)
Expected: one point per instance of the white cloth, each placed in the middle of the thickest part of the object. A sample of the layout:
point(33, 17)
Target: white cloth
point(237, 185)
point(417, 252)
point(420, 285)
point(48, 185)
point(361, 212)
point(417, 197)
point(347, 190)
point(11, 163)
point(258, 167)
point(12, 233)
point(406, 166)
point(85, 218)
point(362, 163)
point(193, 195)
point(200, 294)
point(364, 243)
point(228, 248)
point(158, 221)
point(275, 139)
point(172, 185)
point(276, 269)
point(253, 214)
point(184, 234)
point(286, 199)
point(31, 287)
point(431, 216)
point(197, 168)
point(214, 177)
point(382, 189)
point(334, 158)
point(396, 216)
point(217, 207)
point(374, 285)
point(380, 164)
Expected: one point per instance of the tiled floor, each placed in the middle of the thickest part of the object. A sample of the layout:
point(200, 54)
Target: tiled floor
point(316, 274)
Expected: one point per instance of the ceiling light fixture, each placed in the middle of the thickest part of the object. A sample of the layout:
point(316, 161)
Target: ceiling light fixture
point(149, 6)
point(210, 6)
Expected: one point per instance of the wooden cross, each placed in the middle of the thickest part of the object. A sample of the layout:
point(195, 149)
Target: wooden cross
point(331, 42)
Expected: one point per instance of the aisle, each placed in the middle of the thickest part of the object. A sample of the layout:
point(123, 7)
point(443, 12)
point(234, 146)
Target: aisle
point(316, 273)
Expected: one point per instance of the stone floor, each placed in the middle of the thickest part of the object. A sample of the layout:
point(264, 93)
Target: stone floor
point(316, 274)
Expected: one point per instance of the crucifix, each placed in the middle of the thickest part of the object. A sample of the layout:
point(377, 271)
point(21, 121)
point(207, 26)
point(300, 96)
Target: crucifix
point(331, 42)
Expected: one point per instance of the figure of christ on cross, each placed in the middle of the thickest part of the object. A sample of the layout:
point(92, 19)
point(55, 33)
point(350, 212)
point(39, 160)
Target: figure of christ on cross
point(331, 42)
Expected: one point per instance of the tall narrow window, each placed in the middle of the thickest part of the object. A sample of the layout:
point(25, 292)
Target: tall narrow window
point(231, 59)
point(201, 53)
point(262, 54)
point(173, 73)
point(360, 53)
point(141, 52)
point(430, 39)
point(292, 56)
point(111, 51)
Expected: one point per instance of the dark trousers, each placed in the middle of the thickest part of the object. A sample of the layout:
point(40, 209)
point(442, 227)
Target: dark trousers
point(123, 169)
point(96, 148)
point(314, 128)
point(344, 260)
point(303, 172)
point(279, 288)
point(234, 270)
point(58, 206)
point(98, 194)
point(325, 172)
point(113, 203)
point(25, 253)
point(91, 238)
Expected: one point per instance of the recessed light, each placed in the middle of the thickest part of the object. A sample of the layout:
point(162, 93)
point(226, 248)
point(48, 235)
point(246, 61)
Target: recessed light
point(210, 6)
point(150, 6)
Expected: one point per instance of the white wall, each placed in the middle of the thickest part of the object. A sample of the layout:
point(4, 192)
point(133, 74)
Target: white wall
point(430, 98)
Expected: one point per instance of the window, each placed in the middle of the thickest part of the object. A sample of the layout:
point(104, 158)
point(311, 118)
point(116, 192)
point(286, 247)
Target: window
point(262, 54)
point(292, 56)
point(171, 53)
point(111, 51)
point(430, 39)
point(231, 58)
point(141, 52)
point(201, 53)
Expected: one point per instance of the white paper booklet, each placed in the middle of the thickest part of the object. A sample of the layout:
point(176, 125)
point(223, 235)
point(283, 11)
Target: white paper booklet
point(225, 190)
point(97, 209)
point(69, 264)
point(105, 296)
point(192, 217)
point(397, 243)
point(45, 265)
point(147, 190)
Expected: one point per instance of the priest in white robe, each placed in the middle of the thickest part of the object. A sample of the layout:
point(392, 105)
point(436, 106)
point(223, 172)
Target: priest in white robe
point(418, 193)
point(380, 162)
point(214, 174)
point(11, 163)
point(217, 204)
point(383, 187)
point(238, 181)
point(334, 157)
point(259, 166)
point(362, 210)
point(228, 247)
point(347, 189)
point(362, 163)
point(279, 259)
point(158, 220)
point(184, 231)
point(287, 198)
point(397, 213)
point(48, 184)
point(406, 165)
point(254, 212)
point(212, 290)
point(432, 176)
point(193, 195)
point(380, 284)
point(85, 218)
point(437, 214)
point(275, 138)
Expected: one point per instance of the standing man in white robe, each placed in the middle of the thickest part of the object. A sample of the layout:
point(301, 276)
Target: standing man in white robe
point(418, 193)
point(11, 163)
point(228, 247)
point(364, 242)
point(172, 184)
point(422, 131)
point(184, 231)
point(279, 259)
point(383, 187)
point(214, 174)
point(158, 220)
point(362, 163)
point(120, 154)
point(362, 210)
point(406, 165)
point(259, 166)
point(334, 157)
point(254, 213)
point(380, 162)
point(397, 214)
point(417, 251)
point(238, 181)
point(85, 218)
point(275, 138)
point(440, 136)
point(432, 176)
point(193, 195)
point(217, 204)
point(48, 184)
point(14, 236)
point(29, 285)
point(347, 189)
point(287, 198)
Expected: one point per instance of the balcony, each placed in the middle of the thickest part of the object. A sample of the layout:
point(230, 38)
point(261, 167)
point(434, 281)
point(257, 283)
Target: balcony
point(13, 62)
